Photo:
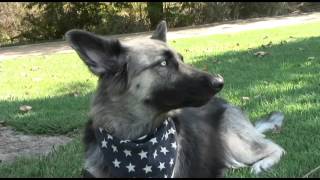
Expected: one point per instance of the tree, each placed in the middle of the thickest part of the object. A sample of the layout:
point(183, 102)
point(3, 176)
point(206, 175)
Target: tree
point(155, 13)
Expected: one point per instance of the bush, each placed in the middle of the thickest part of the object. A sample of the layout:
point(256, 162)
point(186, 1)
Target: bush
point(38, 21)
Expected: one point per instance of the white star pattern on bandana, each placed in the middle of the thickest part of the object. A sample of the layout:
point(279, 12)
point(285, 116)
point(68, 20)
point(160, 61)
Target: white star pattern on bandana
point(116, 163)
point(155, 154)
point(130, 168)
point(161, 166)
point(164, 150)
point(114, 148)
point(172, 131)
point(104, 144)
point(174, 145)
point(127, 152)
point(143, 154)
point(110, 137)
point(151, 155)
point(147, 169)
point(171, 162)
point(124, 141)
point(153, 140)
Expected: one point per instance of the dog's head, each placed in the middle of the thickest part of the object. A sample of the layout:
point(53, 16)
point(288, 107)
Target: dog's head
point(147, 70)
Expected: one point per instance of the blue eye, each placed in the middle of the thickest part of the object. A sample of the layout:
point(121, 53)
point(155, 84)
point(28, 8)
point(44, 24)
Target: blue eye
point(163, 63)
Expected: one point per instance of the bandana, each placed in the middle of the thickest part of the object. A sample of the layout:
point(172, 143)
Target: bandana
point(152, 155)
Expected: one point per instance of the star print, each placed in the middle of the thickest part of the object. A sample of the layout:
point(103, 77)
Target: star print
point(153, 140)
point(172, 131)
point(161, 166)
point(174, 145)
point(171, 162)
point(150, 156)
point(147, 169)
point(164, 150)
point(130, 168)
point(143, 154)
point(116, 163)
point(104, 143)
point(114, 148)
point(124, 141)
point(110, 137)
point(155, 154)
point(127, 152)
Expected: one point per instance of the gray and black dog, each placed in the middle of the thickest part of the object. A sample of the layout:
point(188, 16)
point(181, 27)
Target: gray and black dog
point(142, 82)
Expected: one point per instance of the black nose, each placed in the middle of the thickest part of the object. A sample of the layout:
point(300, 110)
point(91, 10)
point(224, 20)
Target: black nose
point(217, 82)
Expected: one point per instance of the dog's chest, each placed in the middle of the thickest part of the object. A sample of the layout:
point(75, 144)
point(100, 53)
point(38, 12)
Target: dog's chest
point(149, 156)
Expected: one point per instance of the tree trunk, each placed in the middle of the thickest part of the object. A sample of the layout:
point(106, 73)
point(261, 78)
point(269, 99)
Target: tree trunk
point(155, 13)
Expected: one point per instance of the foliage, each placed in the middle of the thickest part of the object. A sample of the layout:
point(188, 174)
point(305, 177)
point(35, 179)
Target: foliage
point(45, 21)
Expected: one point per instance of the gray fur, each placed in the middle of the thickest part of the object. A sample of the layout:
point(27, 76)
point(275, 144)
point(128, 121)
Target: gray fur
point(132, 100)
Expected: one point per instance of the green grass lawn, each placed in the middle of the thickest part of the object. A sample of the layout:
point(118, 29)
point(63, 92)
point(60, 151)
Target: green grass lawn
point(59, 88)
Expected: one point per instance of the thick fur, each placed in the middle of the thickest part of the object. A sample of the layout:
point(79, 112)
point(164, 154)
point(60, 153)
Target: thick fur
point(143, 81)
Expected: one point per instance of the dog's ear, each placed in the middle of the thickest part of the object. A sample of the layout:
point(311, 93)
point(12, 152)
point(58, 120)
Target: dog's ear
point(100, 55)
point(161, 32)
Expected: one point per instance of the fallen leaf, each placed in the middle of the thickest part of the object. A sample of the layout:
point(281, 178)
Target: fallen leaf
point(311, 58)
point(23, 74)
point(75, 93)
point(261, 53)
point(291, 37)
point(283, 42)
point(245, 98)
point(238, 44)
point(269, 44)
point(34, 69)
point(25, 108)
point(263, 46)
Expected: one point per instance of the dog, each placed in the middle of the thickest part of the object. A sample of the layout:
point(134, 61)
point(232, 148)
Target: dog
point(155, 116)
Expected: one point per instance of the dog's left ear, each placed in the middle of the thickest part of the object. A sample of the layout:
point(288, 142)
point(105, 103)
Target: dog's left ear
point(161, 32)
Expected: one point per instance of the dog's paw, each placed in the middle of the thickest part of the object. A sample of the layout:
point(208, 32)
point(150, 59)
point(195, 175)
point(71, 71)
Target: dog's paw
point(272, 123)
point(263, 165)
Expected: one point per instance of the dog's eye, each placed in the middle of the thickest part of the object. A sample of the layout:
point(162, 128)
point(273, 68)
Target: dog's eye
point(163, 63)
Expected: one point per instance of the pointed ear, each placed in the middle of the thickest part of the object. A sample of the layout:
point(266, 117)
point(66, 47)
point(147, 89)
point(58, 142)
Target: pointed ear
point(100, 55)
point(161, 32)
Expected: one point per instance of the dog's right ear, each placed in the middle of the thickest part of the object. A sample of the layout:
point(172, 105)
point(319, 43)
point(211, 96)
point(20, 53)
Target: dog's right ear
point(100, 55)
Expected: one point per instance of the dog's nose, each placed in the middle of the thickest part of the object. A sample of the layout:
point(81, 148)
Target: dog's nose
point(217, 82)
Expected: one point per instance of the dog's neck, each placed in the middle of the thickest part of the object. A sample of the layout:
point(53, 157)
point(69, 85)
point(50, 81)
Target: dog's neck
point(126, 120)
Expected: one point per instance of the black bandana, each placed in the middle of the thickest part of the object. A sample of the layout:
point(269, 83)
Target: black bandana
point(153, 155)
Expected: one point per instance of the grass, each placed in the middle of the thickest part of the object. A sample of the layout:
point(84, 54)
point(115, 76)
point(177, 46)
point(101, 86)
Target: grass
point(59, 87)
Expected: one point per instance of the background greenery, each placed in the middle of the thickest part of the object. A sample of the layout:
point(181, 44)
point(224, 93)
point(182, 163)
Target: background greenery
point(29, 22)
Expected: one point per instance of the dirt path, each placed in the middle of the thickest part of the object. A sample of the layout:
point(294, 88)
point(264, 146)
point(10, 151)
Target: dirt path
point(191, 31)
point(16, 144)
